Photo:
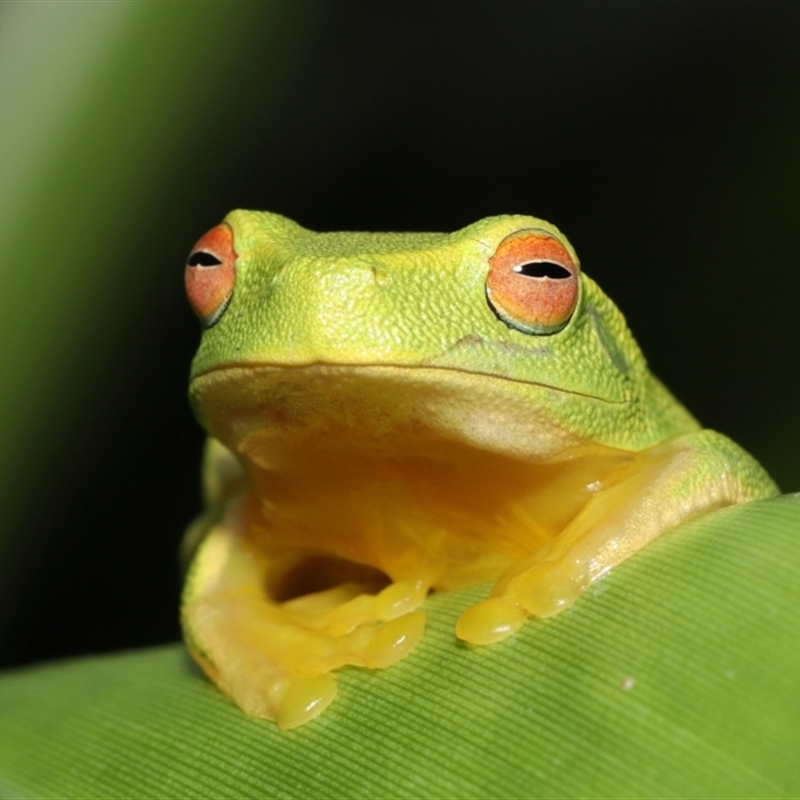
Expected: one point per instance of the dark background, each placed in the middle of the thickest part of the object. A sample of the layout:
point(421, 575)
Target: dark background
point(662, 137)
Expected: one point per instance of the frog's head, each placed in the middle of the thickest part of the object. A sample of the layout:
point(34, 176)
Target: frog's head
point(481, 326)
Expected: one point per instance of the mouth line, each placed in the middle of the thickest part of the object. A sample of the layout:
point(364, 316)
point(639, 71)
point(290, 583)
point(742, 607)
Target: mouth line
point(327, 366)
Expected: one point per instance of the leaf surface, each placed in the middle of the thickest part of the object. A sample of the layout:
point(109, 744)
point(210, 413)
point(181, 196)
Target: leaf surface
point(678, 675)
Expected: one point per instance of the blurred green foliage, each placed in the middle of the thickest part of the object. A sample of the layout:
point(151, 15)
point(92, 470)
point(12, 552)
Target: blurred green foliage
point(101, 104)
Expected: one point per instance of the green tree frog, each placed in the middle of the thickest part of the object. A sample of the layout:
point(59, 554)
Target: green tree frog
point(395, 414)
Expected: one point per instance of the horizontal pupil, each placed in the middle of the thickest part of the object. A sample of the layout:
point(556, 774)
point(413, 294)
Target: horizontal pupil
point(543, 269)
point(203, 259)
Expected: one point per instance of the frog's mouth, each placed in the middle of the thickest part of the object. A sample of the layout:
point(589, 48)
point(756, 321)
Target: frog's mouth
point(497, 413)
point(361, 476)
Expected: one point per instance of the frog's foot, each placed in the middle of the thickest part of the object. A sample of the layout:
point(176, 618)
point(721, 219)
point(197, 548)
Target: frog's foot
point(274, 668)
point(640, 499)
point(275, 659)
point(538, 588)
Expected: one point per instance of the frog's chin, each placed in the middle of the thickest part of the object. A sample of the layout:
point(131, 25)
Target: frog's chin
point(379, 406)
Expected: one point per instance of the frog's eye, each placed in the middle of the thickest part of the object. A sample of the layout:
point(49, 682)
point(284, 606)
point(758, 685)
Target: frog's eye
point(532, 283)
point(211, 274)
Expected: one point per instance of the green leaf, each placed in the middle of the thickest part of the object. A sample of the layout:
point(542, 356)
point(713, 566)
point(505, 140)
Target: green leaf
point(677, 675)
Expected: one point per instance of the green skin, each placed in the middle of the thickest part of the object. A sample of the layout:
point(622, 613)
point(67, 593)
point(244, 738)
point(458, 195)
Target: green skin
point(334, 319)
point(419, 300)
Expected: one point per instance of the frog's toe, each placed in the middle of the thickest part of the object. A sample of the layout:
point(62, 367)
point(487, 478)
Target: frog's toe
point(394, 640)
point(399, 598)
point(491, 621)
point(304, 698)
point(548, 587)
point(539, 588)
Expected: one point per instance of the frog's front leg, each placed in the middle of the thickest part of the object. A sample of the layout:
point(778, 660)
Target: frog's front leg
point(658, 490)
point(275, 659)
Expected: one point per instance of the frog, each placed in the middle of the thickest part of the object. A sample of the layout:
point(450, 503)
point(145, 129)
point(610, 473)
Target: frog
point(390, 415)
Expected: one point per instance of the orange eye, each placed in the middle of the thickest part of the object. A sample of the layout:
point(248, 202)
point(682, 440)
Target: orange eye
point(532, 283)
point(211, 274)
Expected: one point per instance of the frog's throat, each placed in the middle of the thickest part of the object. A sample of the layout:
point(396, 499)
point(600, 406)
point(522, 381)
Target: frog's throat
point(420, 474)
point(440, 513)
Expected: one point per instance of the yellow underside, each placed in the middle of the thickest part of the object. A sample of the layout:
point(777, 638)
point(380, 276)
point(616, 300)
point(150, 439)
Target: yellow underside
point(443, 514)
point(347, 495)
point(328, 557)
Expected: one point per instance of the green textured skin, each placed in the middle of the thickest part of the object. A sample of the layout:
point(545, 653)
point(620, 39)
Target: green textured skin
point(419, 300)
point(338, 359)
